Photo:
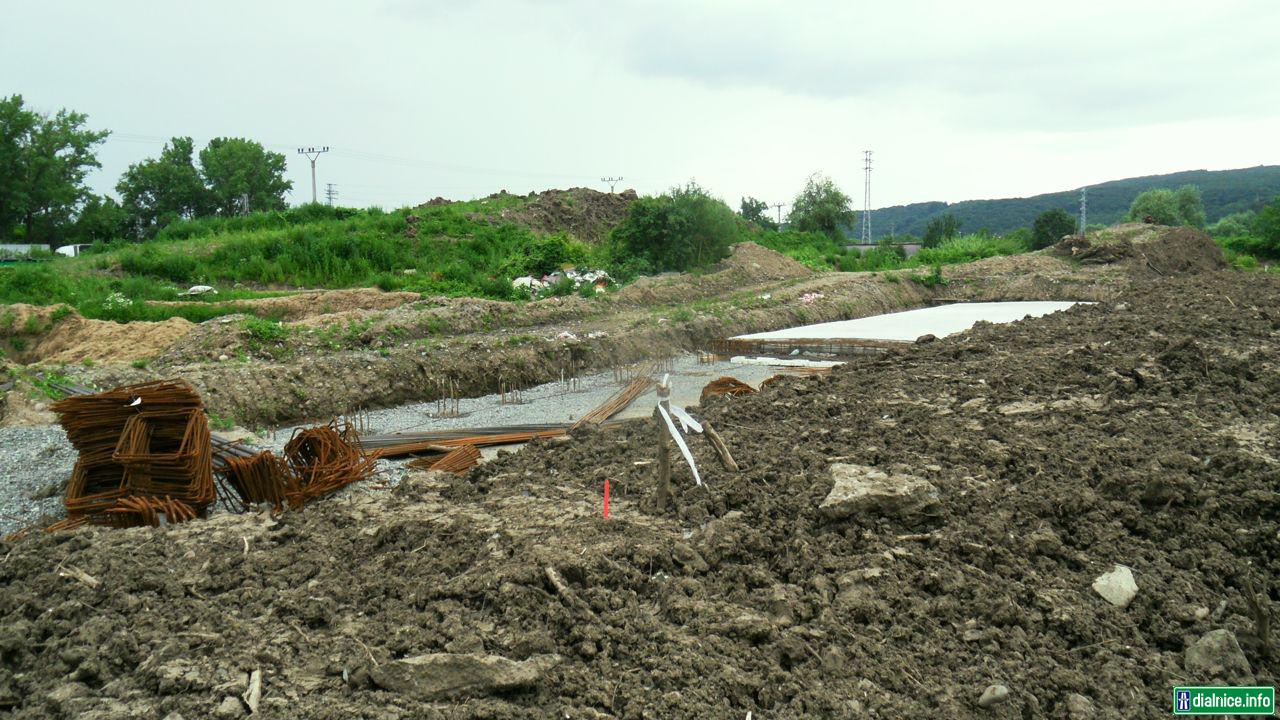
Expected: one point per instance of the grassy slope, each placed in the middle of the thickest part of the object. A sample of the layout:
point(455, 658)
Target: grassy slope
point(446, 249)
point(452, 249)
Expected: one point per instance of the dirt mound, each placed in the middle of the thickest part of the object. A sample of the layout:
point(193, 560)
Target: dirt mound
point(311, 304)
point(585, 213)
point(1057, 448)
point(748, 264)
point(58, 334)
point(1149, 249)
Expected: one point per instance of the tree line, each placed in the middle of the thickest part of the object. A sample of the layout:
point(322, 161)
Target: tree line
point(45, 158)
point(687, 227)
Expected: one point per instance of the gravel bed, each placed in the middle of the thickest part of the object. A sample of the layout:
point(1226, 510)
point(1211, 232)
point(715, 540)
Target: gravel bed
point(35, 463)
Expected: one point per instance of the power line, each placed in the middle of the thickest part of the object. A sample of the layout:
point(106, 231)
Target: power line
point(611, 181)
point(778, 207)
point(313, 154)
point(866, 199)
point(330, 192)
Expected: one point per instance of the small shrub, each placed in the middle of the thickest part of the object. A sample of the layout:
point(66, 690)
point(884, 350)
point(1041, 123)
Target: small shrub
point(264, 330)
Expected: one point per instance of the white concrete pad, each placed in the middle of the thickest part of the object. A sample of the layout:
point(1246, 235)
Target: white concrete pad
point(784, 362)
point(940, 321)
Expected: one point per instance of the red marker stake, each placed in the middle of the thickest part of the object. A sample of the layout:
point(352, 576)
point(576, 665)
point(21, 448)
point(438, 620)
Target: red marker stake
point(606, 498)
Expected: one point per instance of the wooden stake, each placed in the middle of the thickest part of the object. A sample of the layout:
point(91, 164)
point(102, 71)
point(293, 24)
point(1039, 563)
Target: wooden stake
point(726, 458)
point(662, 497)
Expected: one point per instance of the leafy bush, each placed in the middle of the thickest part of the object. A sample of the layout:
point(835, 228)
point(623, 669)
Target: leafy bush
point(1183, 206)
point(968, 248)
point(1234, 225)
point(684, 229)
point(821, 207)
point(1050, 227)
point(940, 229)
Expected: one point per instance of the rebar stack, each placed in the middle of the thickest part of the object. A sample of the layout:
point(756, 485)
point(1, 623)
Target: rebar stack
point(325, 459)
point(261, 478)
point(458, 460)
point(730, 386)
point(144, 451)
point(316, 462)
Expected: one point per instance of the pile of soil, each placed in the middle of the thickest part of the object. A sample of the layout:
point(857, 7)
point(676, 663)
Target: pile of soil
point(59, 334)
point(1095, 267)
point(1139, 432)
point(1148, 249)
point(582, 212)
point(303, 305)
point(748, 264)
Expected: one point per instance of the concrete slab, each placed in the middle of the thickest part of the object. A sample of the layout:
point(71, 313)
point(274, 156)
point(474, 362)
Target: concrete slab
point(940, 321)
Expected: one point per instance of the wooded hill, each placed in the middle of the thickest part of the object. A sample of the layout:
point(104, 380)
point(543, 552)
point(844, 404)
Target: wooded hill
point(1224, 191)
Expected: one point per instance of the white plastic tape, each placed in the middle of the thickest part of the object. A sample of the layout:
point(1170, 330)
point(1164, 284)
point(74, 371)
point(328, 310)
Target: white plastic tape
point(684, 449)
point(686, 420)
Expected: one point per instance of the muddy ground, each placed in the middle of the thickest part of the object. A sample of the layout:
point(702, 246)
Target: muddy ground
point(1140, 431)
point(363, 349)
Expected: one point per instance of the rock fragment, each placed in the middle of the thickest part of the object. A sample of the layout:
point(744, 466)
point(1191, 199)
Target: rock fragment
point(1079, 707)
point(229, 709)
point(993, 695)
point(1217, 656)
point(863, 490)
point(1117, 587)
point(438, 675)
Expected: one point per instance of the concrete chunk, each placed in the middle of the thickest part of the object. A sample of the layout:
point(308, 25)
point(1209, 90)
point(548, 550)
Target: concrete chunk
point(1117, 587)
point(1217, 656)
point(429, 677)
point(863, 490)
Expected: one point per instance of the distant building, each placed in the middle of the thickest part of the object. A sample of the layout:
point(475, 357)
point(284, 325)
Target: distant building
point(15, 250)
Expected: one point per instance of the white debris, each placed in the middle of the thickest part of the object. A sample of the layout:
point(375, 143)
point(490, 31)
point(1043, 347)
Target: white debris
point(200, 290)
point(993, 695)
point(1117, 587)
point(864, 490)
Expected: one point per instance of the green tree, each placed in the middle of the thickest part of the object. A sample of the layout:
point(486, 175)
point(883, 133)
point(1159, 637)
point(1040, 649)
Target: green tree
point(1050, 226)
point(1190, 206)
point(821, 207)
point(1267, 225)
point(234, 168)
point(943, 227)
point(1237, 224)
point(43, 163)
point(158, 191)
point(756, 212)
point(1162, 206)
point(684, 229)
point(100, 220)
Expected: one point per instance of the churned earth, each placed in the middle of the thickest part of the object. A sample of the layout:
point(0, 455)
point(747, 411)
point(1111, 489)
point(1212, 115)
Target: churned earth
point(1140, 431)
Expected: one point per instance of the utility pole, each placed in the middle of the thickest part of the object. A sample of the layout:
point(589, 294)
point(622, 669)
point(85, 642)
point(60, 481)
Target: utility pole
point(866, 199)
point(611, 181)
point(242, 203)
point(330, 192)
point(313, 154)
point(778, 207)
point(1084, 209)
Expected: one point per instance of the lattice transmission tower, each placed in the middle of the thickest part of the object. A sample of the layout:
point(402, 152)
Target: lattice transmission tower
point(866, 198)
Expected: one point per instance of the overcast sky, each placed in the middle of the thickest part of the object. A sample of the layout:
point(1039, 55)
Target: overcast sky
point(460, 99)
